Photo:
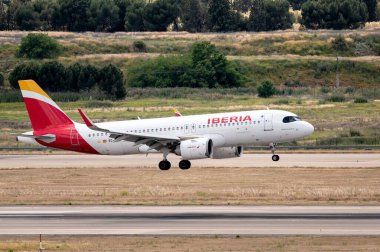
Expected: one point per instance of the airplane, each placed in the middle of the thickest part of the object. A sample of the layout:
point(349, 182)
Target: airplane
point(215, 136)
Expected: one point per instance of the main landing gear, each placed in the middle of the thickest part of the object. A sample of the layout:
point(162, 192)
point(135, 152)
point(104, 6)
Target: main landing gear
point(165, 165)
point(275, 157)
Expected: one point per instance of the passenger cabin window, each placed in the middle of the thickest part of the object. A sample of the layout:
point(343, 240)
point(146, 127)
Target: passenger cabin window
point(289, 119)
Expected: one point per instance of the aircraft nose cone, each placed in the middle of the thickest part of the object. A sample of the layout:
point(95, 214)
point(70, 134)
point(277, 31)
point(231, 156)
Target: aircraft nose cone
point(309, 128)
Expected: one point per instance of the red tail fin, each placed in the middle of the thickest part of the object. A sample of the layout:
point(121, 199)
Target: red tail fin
point(43, 111)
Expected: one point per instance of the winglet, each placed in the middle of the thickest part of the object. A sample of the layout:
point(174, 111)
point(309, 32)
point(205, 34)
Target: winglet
point(86, 120)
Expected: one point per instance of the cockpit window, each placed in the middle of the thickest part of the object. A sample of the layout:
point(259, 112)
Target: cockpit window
point(290, 119)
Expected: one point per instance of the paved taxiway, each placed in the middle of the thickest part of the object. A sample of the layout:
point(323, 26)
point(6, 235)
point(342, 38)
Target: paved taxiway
point(196, 220)
point(360, 160)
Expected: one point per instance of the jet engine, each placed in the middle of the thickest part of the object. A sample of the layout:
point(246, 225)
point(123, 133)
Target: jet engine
point(227, 152)
point(195, 148)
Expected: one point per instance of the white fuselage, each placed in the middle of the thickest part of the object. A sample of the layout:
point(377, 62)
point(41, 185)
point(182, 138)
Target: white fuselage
point(225, 129)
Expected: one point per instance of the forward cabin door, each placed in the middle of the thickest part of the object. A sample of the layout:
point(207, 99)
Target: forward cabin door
point(268, 122)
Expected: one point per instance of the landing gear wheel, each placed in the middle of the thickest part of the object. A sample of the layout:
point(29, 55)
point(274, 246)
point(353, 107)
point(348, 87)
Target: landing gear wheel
point(275, 158)
point(164, 165)
point(184, 164)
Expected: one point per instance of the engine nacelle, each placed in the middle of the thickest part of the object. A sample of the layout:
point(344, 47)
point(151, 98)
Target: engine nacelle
point(227, 152)
point(195, 148)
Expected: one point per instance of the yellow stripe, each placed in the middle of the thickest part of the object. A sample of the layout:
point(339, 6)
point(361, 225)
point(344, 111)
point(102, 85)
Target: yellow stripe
point(31, 85)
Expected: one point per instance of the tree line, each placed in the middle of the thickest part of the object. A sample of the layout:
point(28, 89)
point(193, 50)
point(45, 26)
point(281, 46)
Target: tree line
point(204, 67)
point(187, 15)
point(55, 77)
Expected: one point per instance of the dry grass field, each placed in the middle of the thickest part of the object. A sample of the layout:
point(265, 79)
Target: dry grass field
point(197, 186)
point(191, 243)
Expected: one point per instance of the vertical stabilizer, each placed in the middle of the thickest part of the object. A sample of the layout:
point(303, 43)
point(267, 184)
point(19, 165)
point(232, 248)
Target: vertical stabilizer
point(43, 111)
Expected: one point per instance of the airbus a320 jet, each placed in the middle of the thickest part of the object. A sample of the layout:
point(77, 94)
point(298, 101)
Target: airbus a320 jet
point(215, 136)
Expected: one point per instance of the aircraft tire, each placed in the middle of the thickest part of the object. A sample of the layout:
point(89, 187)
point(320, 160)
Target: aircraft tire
point(164, 165)
point(184, 164)
point(275, 158)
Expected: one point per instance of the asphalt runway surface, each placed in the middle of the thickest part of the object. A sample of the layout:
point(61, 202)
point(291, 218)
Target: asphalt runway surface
point(190, 220)
point(346, 160)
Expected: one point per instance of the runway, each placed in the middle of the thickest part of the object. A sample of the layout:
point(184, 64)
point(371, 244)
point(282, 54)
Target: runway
point(190, 220)
point(347, 160)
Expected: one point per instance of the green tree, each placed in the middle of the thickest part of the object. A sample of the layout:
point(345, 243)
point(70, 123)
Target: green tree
point(159, 14)
point(334, 14)
point(277, 15)
point(1, 80)
point(26, 18)
point(371, 6)
point(139, 46)
point(72, 15)
point(88, 77)
point(193, 15)
point(257, 18)
point(122, 5)
point(220, 16)
point(52, 76)
point(38, 46)
point(296, 4)
point(72, 77)
point(211, 68)
point(161, 72)
point(266, 89)
point(204, 67)
point(242, 5)
point(104, 15)
point(10, 8)
point(111, 81)
point(270, 15)
point(134, 16)
point(45, 10)
point(3, 7)
point(23, 72)
point(81, 77)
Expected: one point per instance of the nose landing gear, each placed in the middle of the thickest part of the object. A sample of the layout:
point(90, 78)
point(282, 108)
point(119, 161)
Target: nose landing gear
point(275, 157)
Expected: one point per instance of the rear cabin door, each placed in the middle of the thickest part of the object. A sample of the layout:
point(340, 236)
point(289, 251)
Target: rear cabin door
point(74, 137)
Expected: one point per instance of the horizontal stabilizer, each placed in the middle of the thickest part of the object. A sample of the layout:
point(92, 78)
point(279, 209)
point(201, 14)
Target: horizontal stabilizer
point(48, 138)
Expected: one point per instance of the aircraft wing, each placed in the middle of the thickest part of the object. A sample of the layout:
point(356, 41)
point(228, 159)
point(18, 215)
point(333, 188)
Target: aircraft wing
point(153, 141)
